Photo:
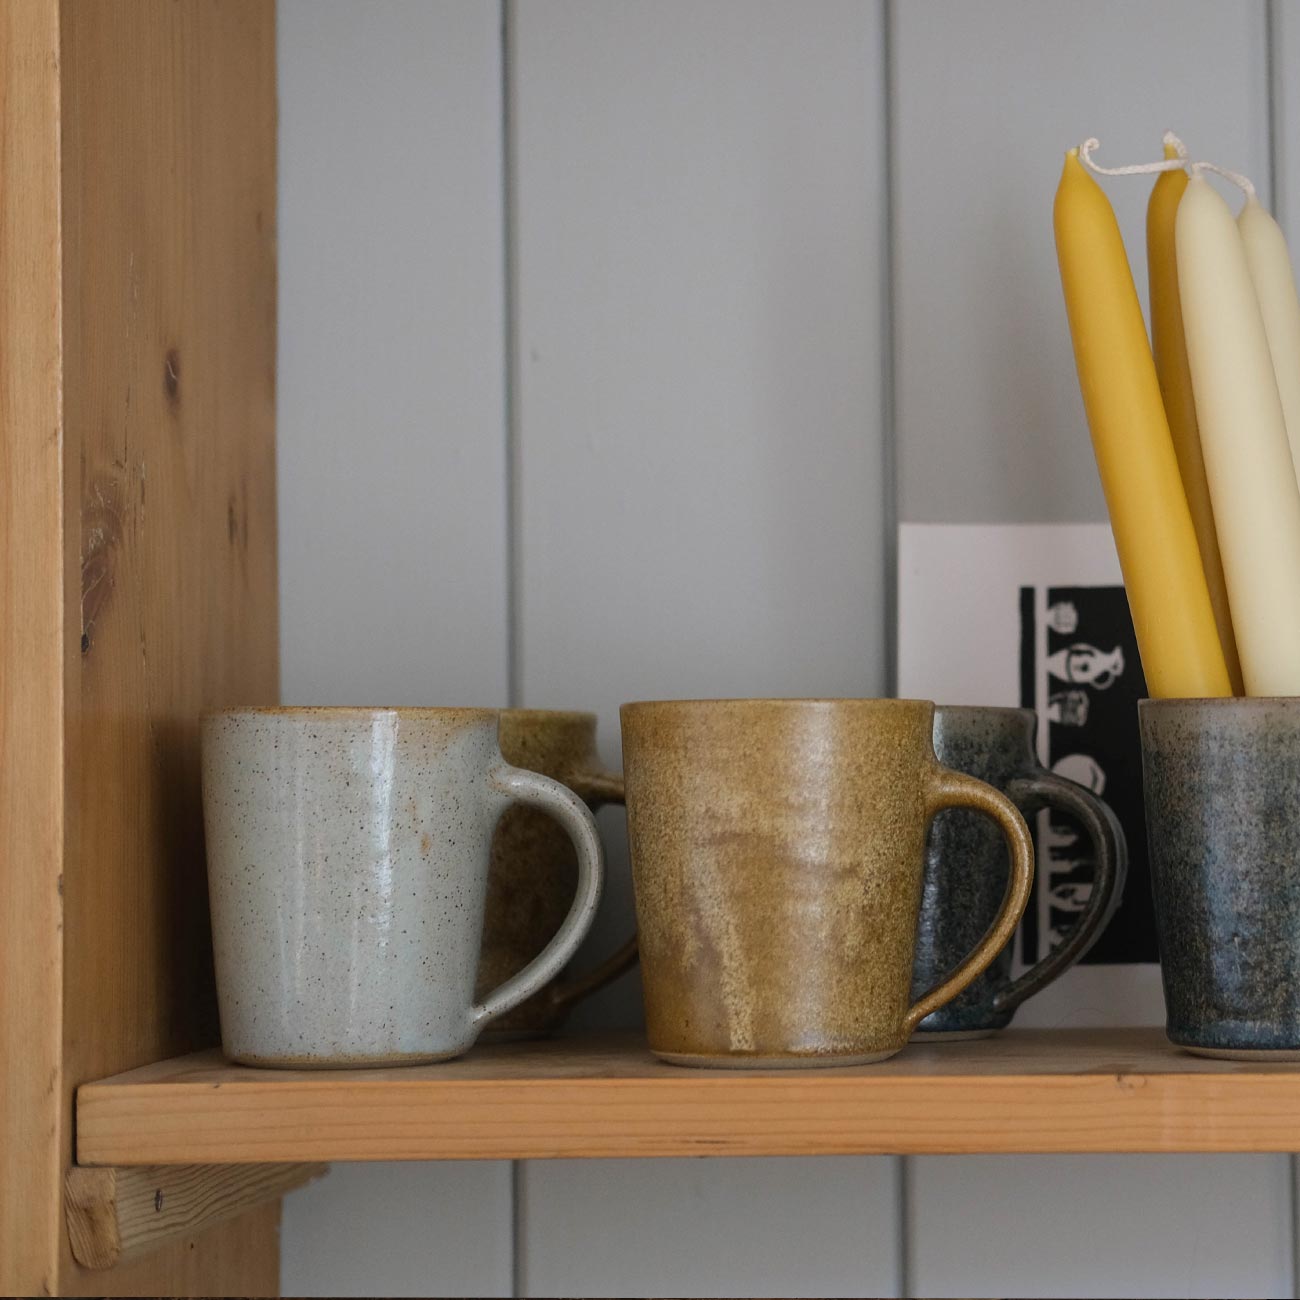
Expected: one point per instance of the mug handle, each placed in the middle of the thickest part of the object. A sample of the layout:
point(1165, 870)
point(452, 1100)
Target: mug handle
point(948, 789)
point(597, 788)
point(537, 791)
point(1046, 789)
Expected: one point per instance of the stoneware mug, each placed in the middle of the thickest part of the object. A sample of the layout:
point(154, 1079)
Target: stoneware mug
point(966, 870)
point(1221, 781)
point(777, 856)
point(534, 872)
point(348, 855)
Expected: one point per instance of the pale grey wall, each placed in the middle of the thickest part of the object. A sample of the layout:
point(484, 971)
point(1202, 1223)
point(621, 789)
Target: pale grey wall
point(607, 331)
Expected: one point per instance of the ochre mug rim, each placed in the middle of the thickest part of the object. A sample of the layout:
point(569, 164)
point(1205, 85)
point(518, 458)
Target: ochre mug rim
point(790, 702)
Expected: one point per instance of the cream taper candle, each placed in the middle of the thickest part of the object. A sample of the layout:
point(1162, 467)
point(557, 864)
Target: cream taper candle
point(1243, 438)
point(1274, 281)
point(1176, 388)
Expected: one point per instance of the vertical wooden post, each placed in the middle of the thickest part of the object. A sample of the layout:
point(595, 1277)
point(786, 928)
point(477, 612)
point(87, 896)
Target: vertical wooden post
point(32, 1112)
point(137, 562)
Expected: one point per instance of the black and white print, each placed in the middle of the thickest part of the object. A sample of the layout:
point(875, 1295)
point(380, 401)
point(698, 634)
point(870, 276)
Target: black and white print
point(1079, 669)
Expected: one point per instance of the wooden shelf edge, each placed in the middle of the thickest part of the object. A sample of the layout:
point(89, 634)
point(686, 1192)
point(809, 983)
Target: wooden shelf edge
point(602, 1097)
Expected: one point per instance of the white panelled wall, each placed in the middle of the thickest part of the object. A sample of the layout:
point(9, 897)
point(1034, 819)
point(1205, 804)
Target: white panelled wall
point(616, 337)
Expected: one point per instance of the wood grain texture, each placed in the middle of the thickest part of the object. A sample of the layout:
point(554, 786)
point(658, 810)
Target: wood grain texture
point(168, 189)
point(1026, 1091)
point(114, 1213)
point(31, 640)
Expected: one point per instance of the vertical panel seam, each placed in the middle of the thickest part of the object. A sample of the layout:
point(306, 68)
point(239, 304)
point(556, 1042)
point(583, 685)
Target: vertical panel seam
point(513, 467)
point(903, 1195)
point(890, 511)
point(889, 440)
point(510, 414)
point(1291, 1196)
point(518, 1214)
point(1273, 109)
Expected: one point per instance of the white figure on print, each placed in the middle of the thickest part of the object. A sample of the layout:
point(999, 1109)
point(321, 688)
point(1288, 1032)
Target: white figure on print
point(1082, 769)
point(1063, 617)
point(1071, 895)
point(1062, 849)
point(1085, 665)
point(1059, 839)
point(1069, 708)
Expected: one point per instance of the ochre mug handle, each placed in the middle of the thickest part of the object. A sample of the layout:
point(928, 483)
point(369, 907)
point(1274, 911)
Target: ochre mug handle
point(948, 789)
point(597, 788)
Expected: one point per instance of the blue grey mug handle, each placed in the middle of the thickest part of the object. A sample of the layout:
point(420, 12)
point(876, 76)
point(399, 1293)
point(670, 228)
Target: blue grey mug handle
point(520, 786)
point(1046, 789)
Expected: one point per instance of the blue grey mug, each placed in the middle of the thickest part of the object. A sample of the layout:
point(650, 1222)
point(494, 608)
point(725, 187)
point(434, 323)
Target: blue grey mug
point(1222, 787)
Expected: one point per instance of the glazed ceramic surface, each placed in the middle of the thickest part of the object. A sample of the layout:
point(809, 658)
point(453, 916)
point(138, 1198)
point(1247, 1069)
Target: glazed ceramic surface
point(777, 853)
point(1222, 786)
point(348, 859)
point(967, 869)
point(534, 873)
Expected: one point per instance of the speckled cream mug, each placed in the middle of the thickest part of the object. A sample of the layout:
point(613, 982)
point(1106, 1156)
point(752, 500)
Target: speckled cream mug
point(778, 848)
point(348, 855)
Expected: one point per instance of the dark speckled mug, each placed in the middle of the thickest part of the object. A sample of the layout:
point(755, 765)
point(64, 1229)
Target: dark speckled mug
point(1222, 785)
point(966, 870)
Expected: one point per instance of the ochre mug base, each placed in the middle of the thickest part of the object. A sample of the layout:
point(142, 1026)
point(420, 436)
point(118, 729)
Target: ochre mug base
point(736, 1062)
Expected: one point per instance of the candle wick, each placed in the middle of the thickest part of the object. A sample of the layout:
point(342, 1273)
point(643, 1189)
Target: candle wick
point(1176, 144)
point(1243, 183)
point(1133, 169)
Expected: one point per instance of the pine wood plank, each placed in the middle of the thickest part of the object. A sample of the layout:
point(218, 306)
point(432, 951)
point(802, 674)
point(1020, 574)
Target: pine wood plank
point(31, 639)
point(169, 568)
point(114, 1213)
point(605, 1096)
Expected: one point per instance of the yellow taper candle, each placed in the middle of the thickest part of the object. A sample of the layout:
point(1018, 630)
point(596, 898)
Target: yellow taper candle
point(1167, 595)
point(1243, 439)
point(1274, 281)
point(1176, 388)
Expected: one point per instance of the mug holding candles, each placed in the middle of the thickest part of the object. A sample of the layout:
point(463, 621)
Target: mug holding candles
point(1198, 447)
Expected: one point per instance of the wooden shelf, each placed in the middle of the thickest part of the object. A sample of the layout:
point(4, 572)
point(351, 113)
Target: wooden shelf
point(1025, 1091)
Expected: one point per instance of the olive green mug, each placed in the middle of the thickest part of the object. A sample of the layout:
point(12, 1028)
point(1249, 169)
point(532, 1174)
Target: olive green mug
point(778, 850)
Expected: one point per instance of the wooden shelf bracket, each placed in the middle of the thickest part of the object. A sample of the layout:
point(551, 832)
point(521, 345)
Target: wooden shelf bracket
point(117, 1213)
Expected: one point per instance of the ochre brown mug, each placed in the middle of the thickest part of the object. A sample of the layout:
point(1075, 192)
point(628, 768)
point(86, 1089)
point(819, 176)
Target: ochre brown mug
point(534, 870)
point(778, 849)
